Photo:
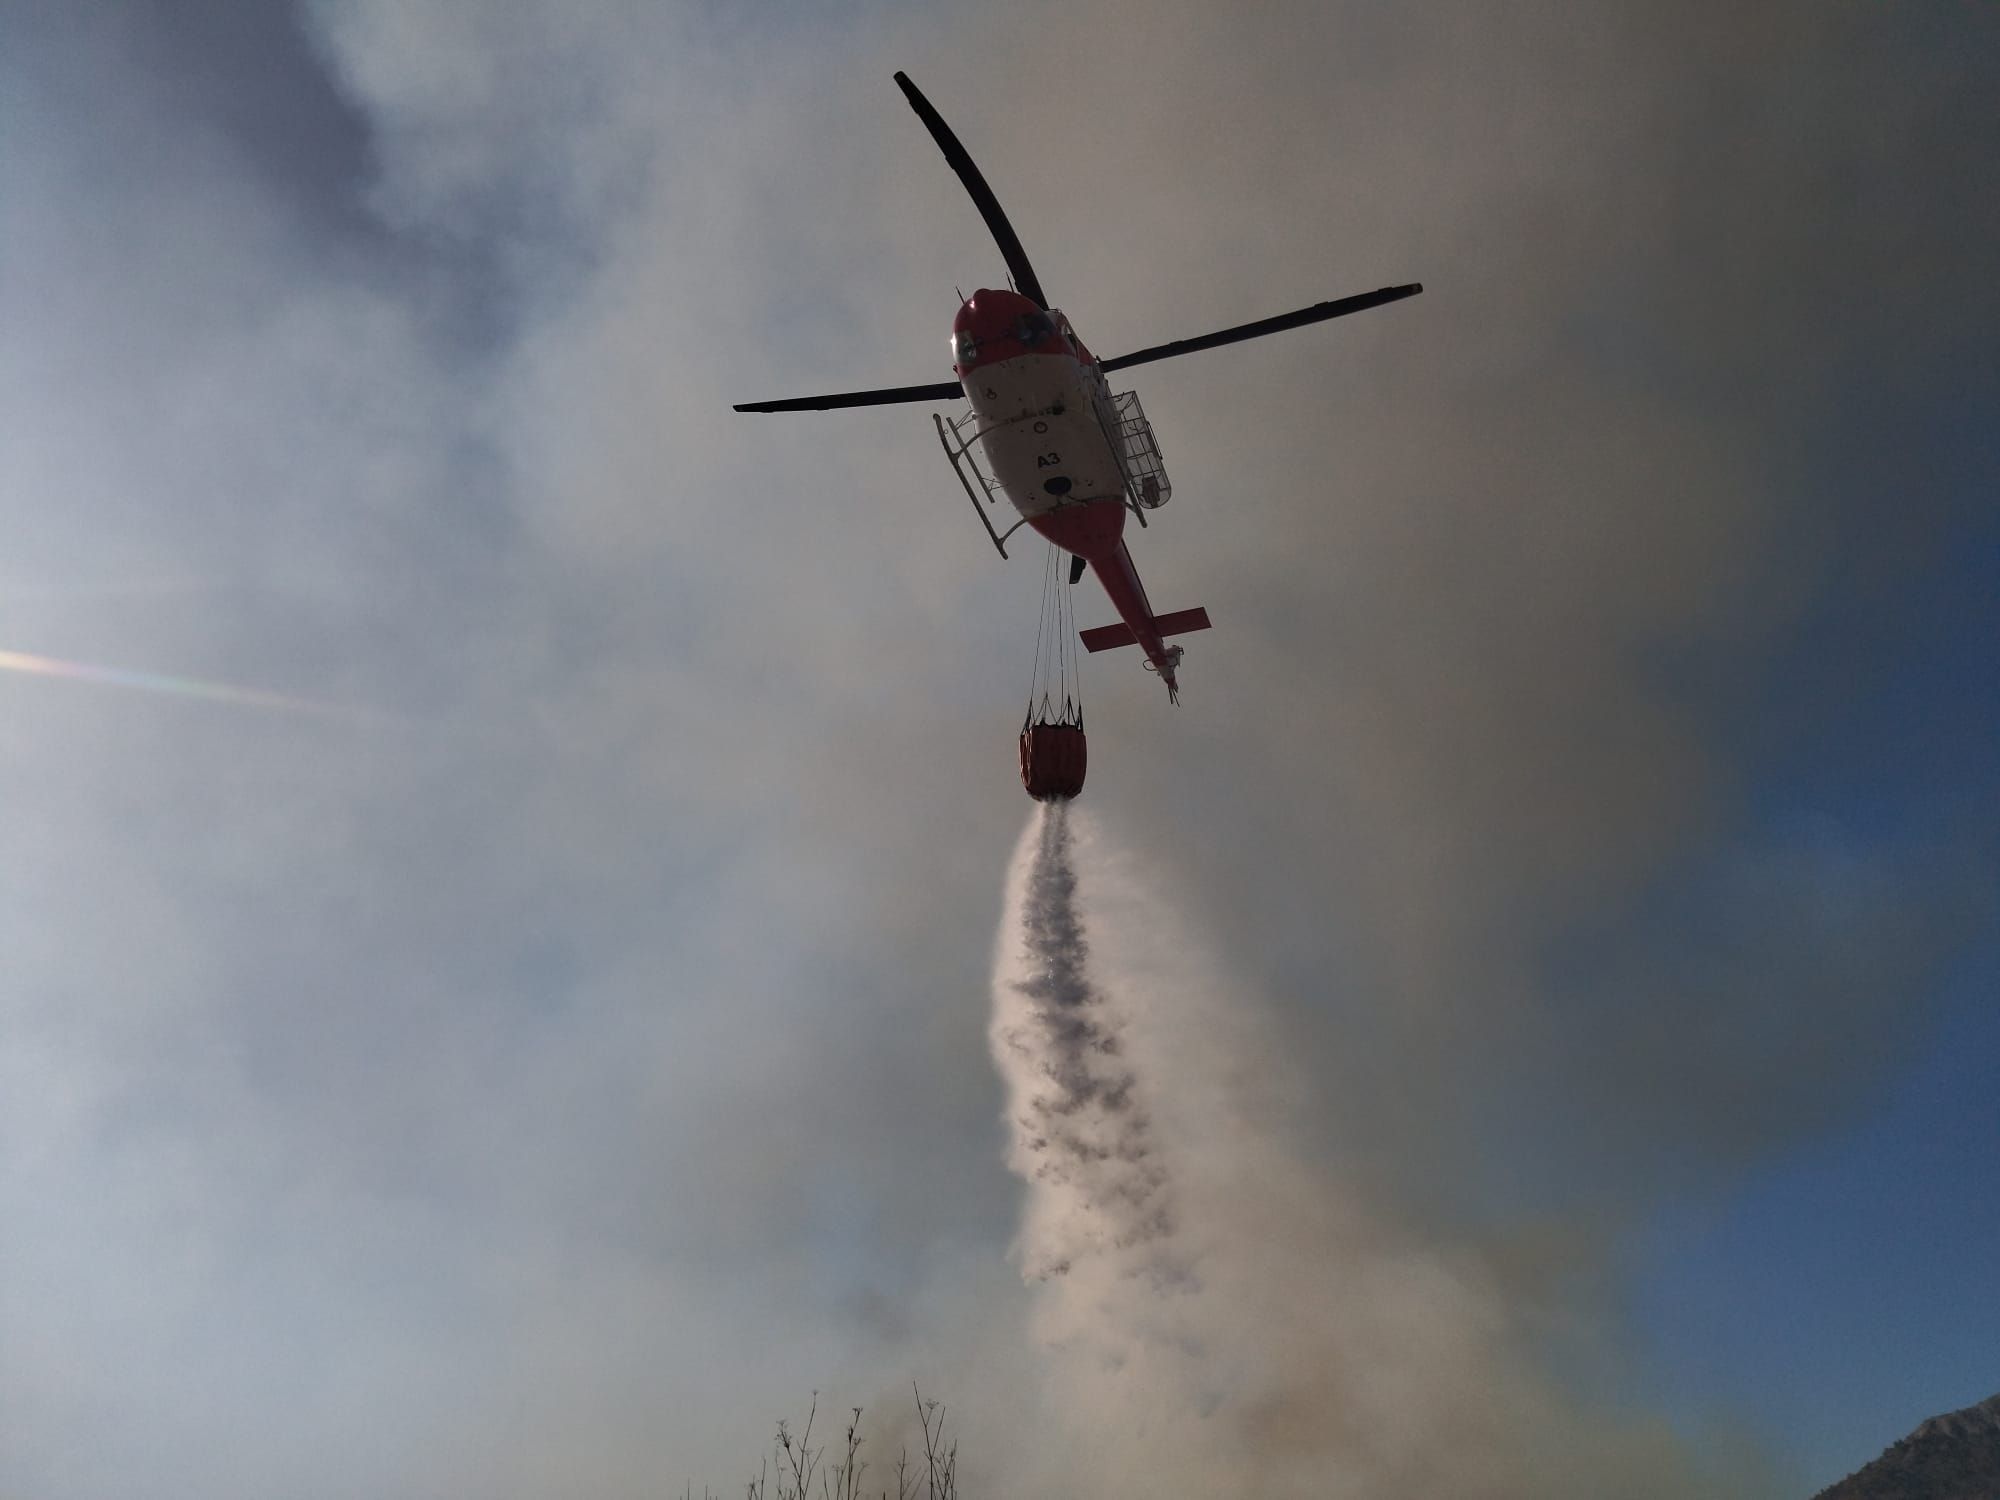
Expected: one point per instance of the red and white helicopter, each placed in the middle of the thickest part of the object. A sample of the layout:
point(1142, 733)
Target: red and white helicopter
point(1070, 456)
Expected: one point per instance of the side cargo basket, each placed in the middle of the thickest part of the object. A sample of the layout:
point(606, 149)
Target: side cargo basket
point(1139, 451)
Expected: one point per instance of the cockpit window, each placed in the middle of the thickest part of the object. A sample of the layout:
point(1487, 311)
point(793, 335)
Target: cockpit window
point(1036, 327)
point(964, 347)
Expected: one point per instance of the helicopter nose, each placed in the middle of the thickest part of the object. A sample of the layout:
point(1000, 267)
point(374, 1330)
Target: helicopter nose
point(989, 313)
point(989, 327)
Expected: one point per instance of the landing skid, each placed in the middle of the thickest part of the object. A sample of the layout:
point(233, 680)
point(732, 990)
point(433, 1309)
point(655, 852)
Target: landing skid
point(958, 448)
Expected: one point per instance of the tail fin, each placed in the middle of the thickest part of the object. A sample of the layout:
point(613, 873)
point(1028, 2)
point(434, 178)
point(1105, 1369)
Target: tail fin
point(1111, 637)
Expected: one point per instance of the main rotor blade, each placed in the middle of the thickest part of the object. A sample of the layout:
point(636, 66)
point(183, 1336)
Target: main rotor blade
point(1025, 280)
point(1319, 312)
point(944, 390)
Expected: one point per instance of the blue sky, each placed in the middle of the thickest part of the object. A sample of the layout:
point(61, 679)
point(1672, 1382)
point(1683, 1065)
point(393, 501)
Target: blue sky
point(1842, 1288)
point(1578, 833)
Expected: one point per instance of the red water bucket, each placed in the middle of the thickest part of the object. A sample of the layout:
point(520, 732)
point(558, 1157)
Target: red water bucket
point(1053, 757)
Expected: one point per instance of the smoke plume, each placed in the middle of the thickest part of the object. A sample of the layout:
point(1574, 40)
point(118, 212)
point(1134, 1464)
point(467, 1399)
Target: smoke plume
point(1214, 1315)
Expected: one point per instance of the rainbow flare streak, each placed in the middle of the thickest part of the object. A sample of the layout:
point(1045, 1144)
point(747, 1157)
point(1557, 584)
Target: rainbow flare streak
point(153, 682)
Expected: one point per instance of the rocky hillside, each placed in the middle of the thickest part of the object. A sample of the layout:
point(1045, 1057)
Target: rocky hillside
point(1953, 1457)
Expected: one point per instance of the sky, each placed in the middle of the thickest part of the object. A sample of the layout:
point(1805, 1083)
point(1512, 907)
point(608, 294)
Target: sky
point(503, 856)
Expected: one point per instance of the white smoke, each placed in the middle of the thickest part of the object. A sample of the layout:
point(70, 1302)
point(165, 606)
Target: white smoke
point(1217, 1316)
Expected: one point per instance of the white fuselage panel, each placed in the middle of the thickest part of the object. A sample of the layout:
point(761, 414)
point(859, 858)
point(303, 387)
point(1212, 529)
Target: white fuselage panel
point(1039, 431)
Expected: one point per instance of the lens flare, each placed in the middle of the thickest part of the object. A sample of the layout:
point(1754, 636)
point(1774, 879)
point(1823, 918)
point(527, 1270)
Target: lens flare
point(154, 682)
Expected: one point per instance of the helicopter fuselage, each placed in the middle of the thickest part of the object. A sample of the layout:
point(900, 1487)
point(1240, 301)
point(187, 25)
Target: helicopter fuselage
point(1045, 430)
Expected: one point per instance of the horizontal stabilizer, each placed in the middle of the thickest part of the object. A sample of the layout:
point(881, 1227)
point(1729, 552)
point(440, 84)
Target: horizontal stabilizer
point(1111, 637)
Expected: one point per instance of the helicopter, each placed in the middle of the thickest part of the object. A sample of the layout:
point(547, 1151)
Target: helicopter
point(1045, 433)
